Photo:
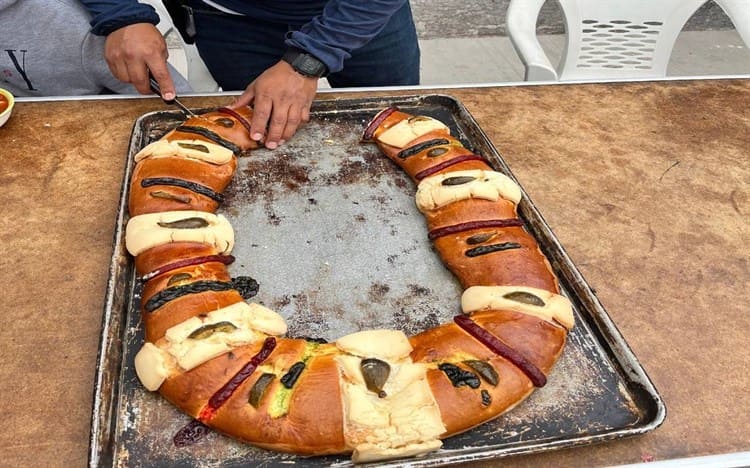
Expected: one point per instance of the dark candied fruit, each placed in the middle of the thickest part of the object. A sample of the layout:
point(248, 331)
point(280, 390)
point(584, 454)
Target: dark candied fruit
point(246, 286)
point(169, 294)
point(186, 184)
point(459, 377)
point(290, 378)
point(486, 398)
point(204, 132)
point(419, 147)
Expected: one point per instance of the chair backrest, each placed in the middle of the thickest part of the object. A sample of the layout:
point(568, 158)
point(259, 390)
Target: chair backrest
point(610, 38)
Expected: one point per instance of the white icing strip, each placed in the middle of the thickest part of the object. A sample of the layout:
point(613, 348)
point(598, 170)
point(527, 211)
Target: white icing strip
point(382, 344)
point(409, 130)
point(216, 154)
point(152, 366)
point(144, 232)
point(488, 185)
point(405, 422)
point(251, 322)
point(556, 307)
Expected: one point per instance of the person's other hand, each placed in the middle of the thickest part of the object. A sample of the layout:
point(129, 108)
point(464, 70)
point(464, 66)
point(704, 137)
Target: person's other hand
point(132, 51)
point(282, 99)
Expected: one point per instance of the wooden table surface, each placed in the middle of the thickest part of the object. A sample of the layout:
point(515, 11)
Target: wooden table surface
point(647, 185)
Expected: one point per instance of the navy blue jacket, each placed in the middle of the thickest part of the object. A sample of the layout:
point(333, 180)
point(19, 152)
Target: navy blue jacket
point(329, 30)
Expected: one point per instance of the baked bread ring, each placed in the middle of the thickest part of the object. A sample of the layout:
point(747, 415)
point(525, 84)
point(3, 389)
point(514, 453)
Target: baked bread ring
point(377, 394)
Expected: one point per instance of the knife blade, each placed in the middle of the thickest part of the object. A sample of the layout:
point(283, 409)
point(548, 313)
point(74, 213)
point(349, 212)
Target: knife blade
point(155, 88)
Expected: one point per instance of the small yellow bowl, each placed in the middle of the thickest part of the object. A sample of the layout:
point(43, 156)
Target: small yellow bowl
point(10, 101)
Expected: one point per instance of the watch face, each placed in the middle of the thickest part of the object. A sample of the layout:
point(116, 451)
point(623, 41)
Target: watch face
point(308, 65)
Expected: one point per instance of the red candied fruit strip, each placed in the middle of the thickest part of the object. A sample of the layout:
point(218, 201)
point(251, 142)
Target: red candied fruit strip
point(439, 167)
point(375, 123)
point(236, 115)
point(489, 223)
point(225, 259)
point(494, 344)
point(223, 394)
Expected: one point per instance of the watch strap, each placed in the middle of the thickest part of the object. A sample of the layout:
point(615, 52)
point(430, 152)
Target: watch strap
point(305, 64)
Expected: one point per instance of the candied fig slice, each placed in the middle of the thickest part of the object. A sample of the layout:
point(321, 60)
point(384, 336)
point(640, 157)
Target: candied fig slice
point(486, 249)
point(192, 146)
point(236, 115)
point(480, 238)
point(484, 369)
point(435, 152)
point(185, 223)
point(376, 374)
point(224, 122)
point(259, 389)
point(170, 196)
point(178, 278)
point(207, 330)
point(458, 180)
point(525, 297)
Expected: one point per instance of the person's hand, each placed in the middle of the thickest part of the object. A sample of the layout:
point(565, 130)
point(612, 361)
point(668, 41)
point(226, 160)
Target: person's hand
point(282, 99)
point(132, 51)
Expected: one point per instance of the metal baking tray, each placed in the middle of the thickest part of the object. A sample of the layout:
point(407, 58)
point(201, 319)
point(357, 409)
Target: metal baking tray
point(329, 228)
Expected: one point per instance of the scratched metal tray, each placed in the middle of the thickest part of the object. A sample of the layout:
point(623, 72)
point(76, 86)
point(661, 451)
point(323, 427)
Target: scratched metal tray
point(329, 228)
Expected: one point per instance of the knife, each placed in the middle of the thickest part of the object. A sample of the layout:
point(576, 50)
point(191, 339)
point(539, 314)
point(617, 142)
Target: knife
point(155, 88)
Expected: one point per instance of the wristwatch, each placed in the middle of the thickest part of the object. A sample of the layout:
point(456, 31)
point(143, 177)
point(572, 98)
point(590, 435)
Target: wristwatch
point(305, 64)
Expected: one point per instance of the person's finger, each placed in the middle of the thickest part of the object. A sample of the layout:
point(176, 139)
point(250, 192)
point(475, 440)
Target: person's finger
point(138, 76)
point(261, 114)
point(277, 124)
point(160, 72)
point(293, 121)
point(245, 99)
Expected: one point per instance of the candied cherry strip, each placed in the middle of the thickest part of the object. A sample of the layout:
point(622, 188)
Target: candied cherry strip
point(439, 167)
point(225, 259)
point(376, 122)
point(236, 115)
point(494, 344)
point(458, 228)
point(225, 392)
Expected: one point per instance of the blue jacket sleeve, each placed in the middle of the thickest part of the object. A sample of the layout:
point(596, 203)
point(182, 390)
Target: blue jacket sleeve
point(109, 15)
point(344, 26)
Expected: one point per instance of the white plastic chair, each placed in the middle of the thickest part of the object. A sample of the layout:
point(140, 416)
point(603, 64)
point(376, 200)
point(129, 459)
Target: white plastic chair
point(611, 39)
point(191, 66)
